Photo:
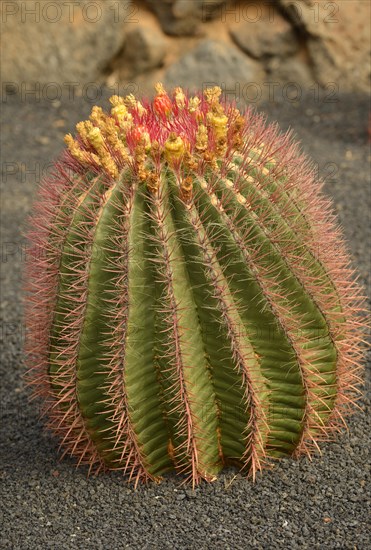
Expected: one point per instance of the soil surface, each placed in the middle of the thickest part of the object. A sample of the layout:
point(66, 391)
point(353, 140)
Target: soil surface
point(47, 504)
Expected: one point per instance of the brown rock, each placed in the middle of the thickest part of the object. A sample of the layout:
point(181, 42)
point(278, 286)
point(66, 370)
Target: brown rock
point(144, 50)
point(301, 14)
point(338, 39)
point(60, 42)
point(268, 36)
point(184, 17)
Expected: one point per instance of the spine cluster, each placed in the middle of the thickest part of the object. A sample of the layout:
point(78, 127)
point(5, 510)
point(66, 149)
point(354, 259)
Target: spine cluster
point(193, 304)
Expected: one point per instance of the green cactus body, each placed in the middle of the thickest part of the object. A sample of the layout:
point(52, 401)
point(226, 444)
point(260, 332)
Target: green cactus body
point(188, 310)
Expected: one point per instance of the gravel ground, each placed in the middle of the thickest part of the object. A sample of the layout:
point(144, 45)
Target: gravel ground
point(322, 504)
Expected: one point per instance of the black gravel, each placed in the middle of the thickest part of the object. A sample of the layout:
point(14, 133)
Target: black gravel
point(322, 504)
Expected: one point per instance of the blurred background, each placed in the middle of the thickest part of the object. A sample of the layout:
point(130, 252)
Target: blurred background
point(251, 48)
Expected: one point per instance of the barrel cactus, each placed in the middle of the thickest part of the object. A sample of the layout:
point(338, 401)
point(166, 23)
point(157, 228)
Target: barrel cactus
point(190, 301)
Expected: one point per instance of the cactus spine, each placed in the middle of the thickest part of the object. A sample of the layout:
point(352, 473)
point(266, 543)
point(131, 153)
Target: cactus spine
point(191, 302)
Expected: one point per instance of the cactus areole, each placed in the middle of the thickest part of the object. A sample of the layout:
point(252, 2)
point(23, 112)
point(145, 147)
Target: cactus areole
point(190, 299)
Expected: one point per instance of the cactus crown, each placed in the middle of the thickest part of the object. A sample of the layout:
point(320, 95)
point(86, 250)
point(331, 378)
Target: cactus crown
point(189, 133)
point(193, 304)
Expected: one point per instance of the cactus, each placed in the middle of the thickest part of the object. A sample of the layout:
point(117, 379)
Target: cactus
point(190, 301)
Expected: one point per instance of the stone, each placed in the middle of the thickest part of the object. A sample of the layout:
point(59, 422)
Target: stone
point(301, 14)
point(144, 50)
point(215, 63)
point(184, 17)
point(337, 36)
point(290, 70)
point(268, 36)
point(60, 42)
